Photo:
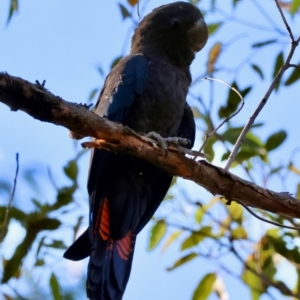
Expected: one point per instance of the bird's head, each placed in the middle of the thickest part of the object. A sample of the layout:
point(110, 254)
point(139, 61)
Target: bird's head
point(175, 31)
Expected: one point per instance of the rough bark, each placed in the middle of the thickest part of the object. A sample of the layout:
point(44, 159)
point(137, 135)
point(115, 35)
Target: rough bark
point(39, 103)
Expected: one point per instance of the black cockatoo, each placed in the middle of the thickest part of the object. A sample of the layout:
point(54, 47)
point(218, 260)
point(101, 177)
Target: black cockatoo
point(146, 91)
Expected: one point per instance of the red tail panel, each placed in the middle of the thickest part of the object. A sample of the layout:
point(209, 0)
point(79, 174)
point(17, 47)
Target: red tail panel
point(104, 225)
point(124, 246)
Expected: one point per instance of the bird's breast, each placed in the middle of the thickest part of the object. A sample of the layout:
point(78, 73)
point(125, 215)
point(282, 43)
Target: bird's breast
point(160, 107)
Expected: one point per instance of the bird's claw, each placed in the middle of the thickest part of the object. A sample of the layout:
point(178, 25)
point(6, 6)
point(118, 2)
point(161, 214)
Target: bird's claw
point(163, 143)
point(177, 141)
point(159, 139)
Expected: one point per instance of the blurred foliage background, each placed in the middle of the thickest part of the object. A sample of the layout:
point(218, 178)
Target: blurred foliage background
point(246, 53)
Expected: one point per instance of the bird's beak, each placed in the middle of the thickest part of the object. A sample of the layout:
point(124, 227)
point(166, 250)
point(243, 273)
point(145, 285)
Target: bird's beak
point(198, 35)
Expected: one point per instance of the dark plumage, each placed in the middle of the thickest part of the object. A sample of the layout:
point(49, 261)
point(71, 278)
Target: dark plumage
point(147, 92)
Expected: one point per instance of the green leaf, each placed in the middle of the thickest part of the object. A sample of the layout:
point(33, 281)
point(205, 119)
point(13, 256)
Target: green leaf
point(64, 196)
point(13, 265)
point(31, 178)
point(213, 27)
point(276, 170)
point(294, 169)
point(173, 237)
point(258, 70)
point(182, 261)
point(14, 213)
point(265, 43)
point(199, 215)
point(248, 152)
point(39, 263)
point(235, 2)
point(55, 288)
point(77, 225)
point(232, 134)
point(157, 233)
point(196, 112)
point(298, 191)
point(239, 233)
point(295, 75)
point(251, 140)
point(93, 93)
point(48, 224)
point(115, 62)
point(282, 248)
point(71, 170)
point(205, 287)
point(124, 11)
point(208, 148)
point(58, 244)
point(297, 288)
point(294, 6)
point(196, 237)
point(37, 203)
point(278, 64)
point(41, 243)
point(236, 212)
point(254, 282)
point(233, 100)
point(204, 208)
point(100, 71)
point(14, 6)
point(267, 263)
point(173, 182)
point(168, 197)
point(275, 140)
point(5, 187)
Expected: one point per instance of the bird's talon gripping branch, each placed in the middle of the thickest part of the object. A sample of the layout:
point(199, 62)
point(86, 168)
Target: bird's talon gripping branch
point(177, 141)
point(160, 141)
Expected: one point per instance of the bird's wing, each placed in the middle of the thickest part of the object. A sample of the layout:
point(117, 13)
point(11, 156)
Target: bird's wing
point(121, 86)
point(187, 128)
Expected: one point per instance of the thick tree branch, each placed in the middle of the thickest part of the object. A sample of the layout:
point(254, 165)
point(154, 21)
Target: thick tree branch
point(35, 100)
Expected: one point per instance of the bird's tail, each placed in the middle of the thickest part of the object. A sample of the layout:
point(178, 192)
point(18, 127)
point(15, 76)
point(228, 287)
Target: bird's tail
point(109, 268)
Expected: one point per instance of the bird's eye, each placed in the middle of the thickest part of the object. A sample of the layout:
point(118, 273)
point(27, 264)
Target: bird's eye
point(175, 23)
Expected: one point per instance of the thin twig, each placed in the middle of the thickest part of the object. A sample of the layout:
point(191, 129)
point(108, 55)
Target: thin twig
point(138, 9)
point(288, 28)
point(248, 23)
point(267, 221)
point(5, 223)
point(265, 14)
point(294, 66)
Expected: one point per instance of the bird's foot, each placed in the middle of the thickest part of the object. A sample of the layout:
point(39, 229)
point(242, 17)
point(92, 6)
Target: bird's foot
point(177, 141)
point(163, 143)
point(158, 139)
